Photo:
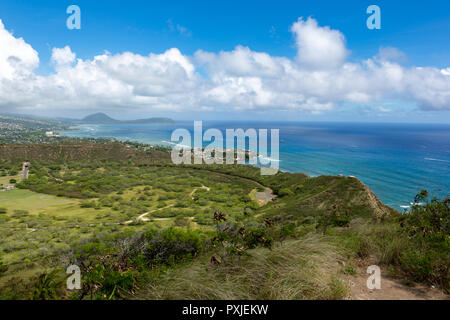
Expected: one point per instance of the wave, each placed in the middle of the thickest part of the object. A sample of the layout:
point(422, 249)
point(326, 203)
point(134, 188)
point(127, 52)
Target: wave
point(440, 160)
point(268, 159)
point(176, 144)
point(91, 127)
point(169, 142)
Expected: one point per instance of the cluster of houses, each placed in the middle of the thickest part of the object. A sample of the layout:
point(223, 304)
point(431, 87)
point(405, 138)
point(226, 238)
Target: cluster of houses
point(51, 134)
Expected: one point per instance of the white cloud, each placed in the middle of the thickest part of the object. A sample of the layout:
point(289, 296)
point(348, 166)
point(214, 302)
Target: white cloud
point(62, 57)
point(242, 62)
point(430, 87)
point(391, 54)
point(319, 47)
point(17, 58)
point(318, 80)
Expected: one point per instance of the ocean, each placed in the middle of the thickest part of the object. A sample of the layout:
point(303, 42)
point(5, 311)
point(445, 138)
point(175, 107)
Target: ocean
point(395, 160)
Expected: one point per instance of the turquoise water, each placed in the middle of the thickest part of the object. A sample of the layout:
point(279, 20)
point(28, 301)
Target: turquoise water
point(394, 160)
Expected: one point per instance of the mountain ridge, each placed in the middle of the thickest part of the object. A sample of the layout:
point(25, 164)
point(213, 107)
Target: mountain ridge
point(102, 118)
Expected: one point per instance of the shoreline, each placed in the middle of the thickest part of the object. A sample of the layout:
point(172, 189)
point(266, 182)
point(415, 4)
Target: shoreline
point(397, 197)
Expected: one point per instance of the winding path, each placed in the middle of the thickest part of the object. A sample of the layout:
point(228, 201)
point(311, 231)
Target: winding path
point(195, 189)
point(142, 216)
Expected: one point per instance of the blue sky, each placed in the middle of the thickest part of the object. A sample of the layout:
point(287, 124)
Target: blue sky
point(419, 30)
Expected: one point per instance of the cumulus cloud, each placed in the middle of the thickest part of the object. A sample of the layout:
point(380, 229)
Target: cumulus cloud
point(319, 79)
point(318, 47)
point(17, 58)
point(62, 57)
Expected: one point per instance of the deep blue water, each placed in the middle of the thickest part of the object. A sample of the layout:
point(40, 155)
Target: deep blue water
point(394, 160)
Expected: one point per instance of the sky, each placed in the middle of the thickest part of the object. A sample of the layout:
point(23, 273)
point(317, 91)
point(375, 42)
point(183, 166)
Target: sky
point(209, 60)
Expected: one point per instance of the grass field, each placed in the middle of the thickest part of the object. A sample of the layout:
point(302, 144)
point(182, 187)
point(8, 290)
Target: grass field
point(19, 199)
point(4, 181)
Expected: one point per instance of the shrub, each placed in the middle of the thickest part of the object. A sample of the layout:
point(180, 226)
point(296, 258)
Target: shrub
point(20, 213)
point(287, 231)
point(161, 205)
point(47, 286)
point(430, 221)
point(427, 228)
point(108, 281)
point(182, 222)
point(87, 204)
point(333, 218)
point(196, 184)
point(252, 205)
point(257, 236)
point(15, 289)
point(171, 245)
point(234, 239)
point(246, 198)
point(3, 210)
point(180, 204)
point(283, 192)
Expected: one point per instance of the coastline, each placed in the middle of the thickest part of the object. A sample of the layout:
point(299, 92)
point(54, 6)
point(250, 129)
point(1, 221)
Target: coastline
point(394, 172)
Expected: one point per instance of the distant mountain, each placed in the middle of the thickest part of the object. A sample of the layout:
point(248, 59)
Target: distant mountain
point(28, 117)
point(101, 118)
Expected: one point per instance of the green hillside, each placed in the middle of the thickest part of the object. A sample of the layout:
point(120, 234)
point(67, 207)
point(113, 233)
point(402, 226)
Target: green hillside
point(143, 228)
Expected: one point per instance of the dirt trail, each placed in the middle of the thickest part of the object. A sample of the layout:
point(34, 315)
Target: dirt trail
point(142, 216)
point(391, 289)
point(195, 189)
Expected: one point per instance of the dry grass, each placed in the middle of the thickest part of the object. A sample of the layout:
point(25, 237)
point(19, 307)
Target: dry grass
point(299, 269)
